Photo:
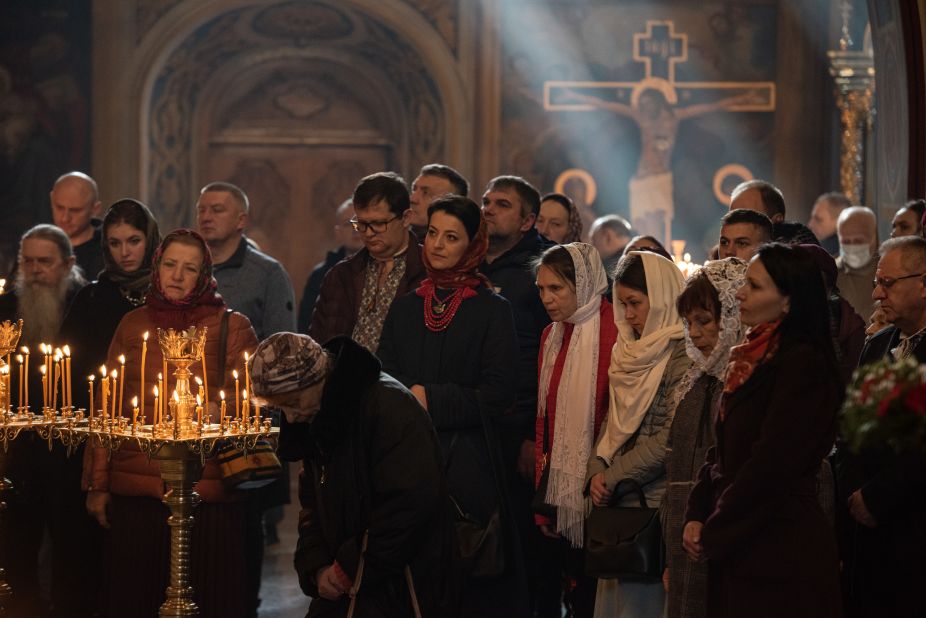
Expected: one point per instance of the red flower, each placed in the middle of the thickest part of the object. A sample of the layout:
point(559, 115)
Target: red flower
point(916, 400)
point(887, 401)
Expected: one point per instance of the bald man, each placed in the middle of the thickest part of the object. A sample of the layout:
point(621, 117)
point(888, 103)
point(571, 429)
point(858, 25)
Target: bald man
point(761, 196)
point(76, 208)
point(857, 229)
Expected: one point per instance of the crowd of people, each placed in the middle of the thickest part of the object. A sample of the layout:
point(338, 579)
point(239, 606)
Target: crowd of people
point(464, 384)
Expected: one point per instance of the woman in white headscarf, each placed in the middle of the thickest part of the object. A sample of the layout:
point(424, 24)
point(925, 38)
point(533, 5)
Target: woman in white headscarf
point(711, 315)
point(572, 401)
point(648, 363)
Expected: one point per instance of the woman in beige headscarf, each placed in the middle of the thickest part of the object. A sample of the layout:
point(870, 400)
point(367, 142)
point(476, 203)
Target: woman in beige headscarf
point(647, 364)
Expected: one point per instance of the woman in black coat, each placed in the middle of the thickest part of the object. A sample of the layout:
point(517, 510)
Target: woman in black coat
point(452, 343)
point(130, 236)
point(754, 513)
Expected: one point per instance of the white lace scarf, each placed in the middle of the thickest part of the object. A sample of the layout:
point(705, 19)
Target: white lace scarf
point(727, 277)
point(574, 422)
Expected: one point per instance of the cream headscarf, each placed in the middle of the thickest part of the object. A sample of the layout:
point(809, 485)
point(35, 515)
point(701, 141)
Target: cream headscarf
point(637, 365)
point(727, 277)
point(574, 429)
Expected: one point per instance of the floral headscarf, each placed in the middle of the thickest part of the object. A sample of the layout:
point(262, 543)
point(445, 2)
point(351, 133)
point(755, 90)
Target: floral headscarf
point(199, 303)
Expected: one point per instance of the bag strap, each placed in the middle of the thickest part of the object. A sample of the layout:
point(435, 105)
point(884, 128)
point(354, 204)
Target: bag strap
point(358, 577)
point(223, 345)
point(411, 591)
point(634, 488)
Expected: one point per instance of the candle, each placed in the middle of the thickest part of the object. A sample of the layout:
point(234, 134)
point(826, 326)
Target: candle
point(244, 406)
point(56, 374)
point(200, 384)
point(67, 366)
point(114, 380)
point(134, 410)
point(222, 409)
point(164, 387)
point(25, 351)
point(247, 374)
point(44, 371)
point(121, 381)
point(157, 406)
point(47, 363)
point(19, 359)
point(199, 410)
point(90, 379)
point(103, 390)
point(205, 378)
point(237, 401)
point(176, 411)
point(141, 387)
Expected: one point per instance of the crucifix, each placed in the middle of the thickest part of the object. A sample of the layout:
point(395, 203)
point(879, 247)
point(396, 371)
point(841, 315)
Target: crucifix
point(657, 104)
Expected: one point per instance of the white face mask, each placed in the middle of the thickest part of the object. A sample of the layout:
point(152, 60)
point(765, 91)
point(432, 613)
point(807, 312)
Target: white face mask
point(855, 256)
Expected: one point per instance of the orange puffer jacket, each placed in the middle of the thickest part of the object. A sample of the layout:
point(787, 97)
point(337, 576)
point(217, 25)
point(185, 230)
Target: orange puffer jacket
point(129, 472)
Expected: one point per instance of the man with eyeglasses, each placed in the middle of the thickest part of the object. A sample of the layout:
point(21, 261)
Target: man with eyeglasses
point(857, 229)
point(884, 544)
point(356, 294)
point(349, 243)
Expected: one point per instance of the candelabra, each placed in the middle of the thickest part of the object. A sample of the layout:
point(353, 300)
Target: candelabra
point(180, 442)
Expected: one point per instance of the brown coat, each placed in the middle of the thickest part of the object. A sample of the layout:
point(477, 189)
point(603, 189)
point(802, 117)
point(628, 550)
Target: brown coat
point(770, 546)
point(129, 472)
point(339, 298)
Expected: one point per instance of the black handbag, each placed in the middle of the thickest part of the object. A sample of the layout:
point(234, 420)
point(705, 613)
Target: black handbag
point(539, 502)
point(624, 541)
point(482, 545)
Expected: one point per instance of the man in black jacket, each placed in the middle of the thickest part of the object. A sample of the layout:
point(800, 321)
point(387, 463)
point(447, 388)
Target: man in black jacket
point(885, 541)
point(511, 205)
point(375, 522)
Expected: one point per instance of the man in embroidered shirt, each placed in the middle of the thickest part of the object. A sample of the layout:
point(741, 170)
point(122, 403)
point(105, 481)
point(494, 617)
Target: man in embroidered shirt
point(356, 294)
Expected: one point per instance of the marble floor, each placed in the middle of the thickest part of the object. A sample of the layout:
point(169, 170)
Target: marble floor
point(279, 590)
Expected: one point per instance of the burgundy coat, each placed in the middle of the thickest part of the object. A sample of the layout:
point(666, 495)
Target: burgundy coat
point(339, 297)
point(770, 546)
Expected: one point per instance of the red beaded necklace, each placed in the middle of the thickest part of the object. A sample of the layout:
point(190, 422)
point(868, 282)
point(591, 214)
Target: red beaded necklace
point(437, 314)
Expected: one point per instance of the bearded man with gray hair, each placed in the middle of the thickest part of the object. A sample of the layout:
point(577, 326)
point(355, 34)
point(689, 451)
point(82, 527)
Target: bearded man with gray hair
point(375, 524)
point(46, 281)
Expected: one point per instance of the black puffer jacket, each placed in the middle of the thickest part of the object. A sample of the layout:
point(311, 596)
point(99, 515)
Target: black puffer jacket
point(372, 463)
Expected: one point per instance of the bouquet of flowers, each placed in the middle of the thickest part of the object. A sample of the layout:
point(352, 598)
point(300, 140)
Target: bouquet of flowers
point(886, 407)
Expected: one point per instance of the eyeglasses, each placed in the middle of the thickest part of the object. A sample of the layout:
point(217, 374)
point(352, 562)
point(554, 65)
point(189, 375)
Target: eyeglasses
point(888, 282)
point(378, 227)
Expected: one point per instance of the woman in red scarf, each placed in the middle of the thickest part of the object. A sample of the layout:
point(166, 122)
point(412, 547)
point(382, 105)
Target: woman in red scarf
point(125, 491)
point(452, 343)
point(754, 513)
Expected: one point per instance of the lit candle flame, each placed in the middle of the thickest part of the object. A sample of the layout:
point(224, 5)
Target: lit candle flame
point(91, 377)
point(19, 359)
point(43, 369)
point(246, 357)
point(114, 374)
point(235, 373)
point(103, 371)
point(145, 336)
point(199, 400)
point(244, 393)
point(25, 349)
point(122, 359)
point(160, 376)
point(199, 381)
point(42, 348)
point(67, 351)
point(5, 369)
point(222, 395)
point(134, 402)
point(155, 391)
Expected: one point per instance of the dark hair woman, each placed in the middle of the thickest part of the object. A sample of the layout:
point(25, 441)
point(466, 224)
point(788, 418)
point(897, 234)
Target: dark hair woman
point(711, 315)
point(125, 491)
point(572, 399)
point(647, 365)
point(754, 512)
point(559, 219)
point(452, 343)
point(130, 237)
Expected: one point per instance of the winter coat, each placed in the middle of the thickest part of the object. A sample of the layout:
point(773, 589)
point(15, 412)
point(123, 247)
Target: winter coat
point(771, 549)
point(372, 465)
point(338, 304)
point(129, 472)
point(643, 456)
point(512, 278)
point(883, 566)
point(314, 285)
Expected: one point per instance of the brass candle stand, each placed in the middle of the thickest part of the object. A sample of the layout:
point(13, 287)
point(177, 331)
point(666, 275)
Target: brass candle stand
point(180, 442)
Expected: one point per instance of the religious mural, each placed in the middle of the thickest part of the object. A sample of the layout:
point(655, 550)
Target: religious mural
point(44, 109)
point(665, 106)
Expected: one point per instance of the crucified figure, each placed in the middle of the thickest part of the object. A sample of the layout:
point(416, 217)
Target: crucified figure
point(651, 204)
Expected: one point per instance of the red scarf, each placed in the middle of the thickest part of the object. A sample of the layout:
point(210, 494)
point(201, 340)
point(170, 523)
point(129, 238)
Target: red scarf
point(761, 344)
point(463, 278)
point(197, 305)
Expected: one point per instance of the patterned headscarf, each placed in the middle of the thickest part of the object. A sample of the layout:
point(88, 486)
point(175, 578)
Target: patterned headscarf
point(134, 284)
point(287, 362)
point(465, 273)
point(727, 276)
point(199, 303)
